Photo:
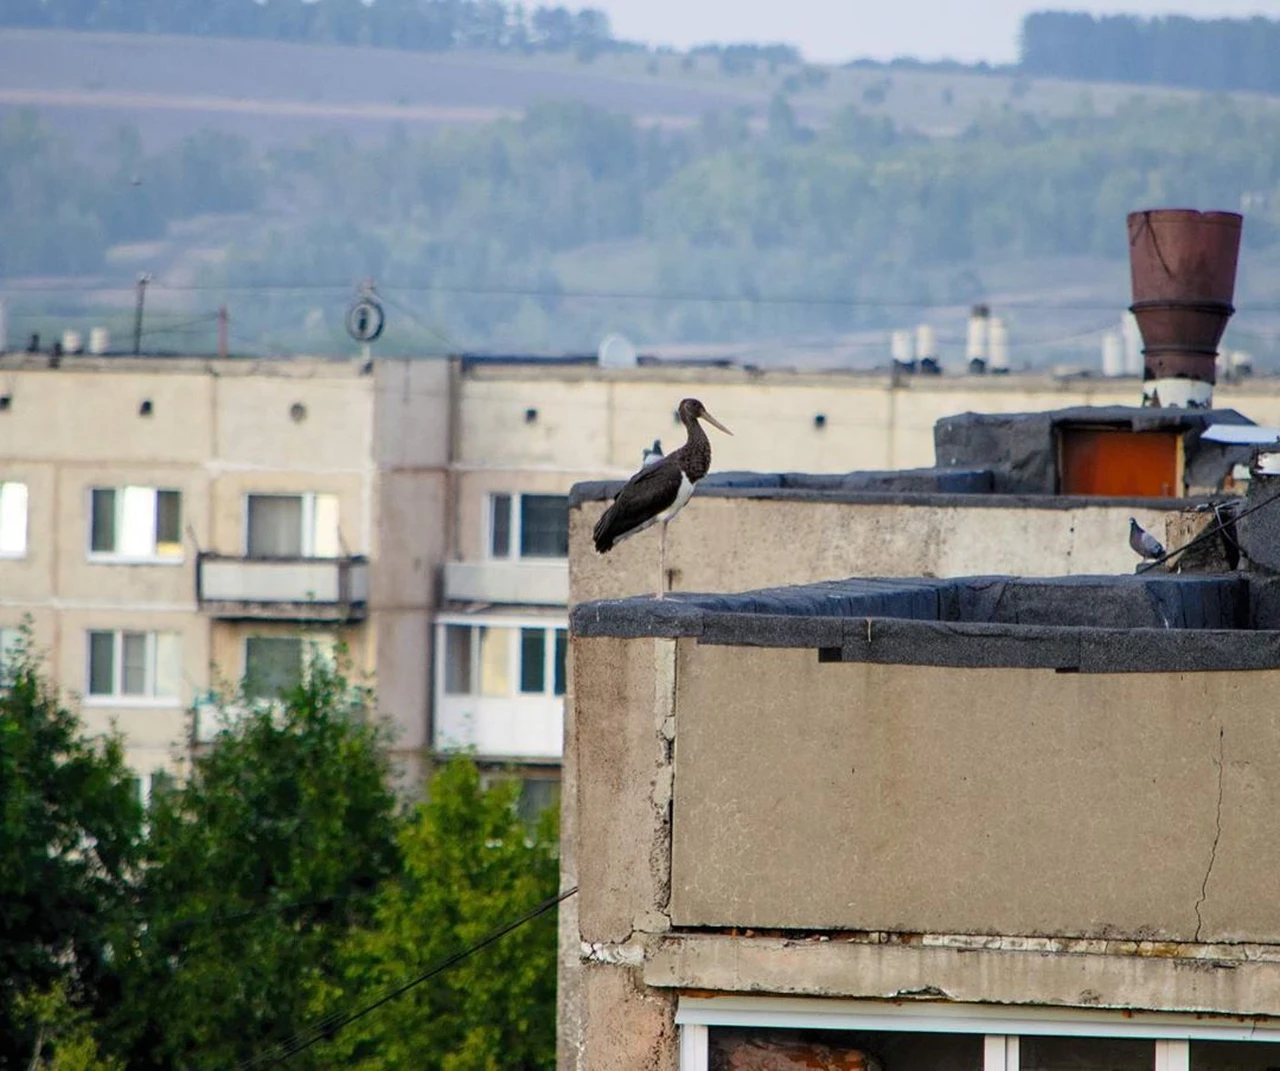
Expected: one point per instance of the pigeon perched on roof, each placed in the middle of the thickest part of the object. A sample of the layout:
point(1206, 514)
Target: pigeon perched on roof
point(651, 454)
point(1143, 542)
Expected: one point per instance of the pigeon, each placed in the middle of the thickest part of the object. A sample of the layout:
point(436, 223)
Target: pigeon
point(1143, 542)
point(651, 454)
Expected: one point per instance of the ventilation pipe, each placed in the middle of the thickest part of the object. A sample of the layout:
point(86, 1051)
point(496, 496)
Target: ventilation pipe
point(1183, 267)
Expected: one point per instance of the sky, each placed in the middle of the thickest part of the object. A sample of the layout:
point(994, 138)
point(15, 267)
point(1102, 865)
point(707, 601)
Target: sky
point(833, 31)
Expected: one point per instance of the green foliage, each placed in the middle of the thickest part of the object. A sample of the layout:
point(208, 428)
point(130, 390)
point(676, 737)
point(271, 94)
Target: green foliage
point(1171, 50)
point(256, 867)
point(70, 826)
point(470, 865)
point(63, 1036)
point(405, 24)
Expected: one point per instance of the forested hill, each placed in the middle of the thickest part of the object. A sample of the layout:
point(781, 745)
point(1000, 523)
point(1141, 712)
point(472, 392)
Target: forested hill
point(1218, 54)
point(438, 26)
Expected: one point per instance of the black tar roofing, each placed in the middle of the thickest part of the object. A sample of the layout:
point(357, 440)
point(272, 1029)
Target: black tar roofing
point(1088, 624)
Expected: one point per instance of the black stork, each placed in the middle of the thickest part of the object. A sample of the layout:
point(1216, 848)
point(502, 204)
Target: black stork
point(659, 491)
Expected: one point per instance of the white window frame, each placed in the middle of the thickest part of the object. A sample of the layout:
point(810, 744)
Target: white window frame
point(14, 495)
point(117, 698)
point(1002, 1026)
point(116, 557)
point(312, 503)
point(515, 624)
point(513, 554)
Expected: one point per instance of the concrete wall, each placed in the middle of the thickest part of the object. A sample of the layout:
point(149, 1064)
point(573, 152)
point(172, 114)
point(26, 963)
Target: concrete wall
point(721, 543)
point(594, 421)
point(980, 836)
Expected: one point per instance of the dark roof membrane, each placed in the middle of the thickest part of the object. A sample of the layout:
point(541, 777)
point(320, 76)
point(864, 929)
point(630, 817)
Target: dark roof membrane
point(1093, 624)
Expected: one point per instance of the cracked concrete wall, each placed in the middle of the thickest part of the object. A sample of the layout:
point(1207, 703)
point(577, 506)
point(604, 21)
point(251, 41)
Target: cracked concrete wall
point(616, 806)
point(737, 544)
point(841, 796)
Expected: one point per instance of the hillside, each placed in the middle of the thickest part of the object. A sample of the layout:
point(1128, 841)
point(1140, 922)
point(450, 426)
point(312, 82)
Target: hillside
point(278, 92)
point(523, 202)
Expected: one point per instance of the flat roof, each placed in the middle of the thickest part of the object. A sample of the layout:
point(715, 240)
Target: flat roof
point(1077, 624)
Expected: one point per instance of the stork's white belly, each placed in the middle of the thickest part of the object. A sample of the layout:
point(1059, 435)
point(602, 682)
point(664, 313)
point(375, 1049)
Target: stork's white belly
point(682, 499)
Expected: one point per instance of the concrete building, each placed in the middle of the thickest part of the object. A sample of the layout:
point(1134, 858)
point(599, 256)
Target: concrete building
point(974, 824)
point(175, 524)
point(169, 525)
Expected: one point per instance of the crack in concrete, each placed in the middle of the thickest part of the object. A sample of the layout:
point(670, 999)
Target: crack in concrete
point(1217, 832)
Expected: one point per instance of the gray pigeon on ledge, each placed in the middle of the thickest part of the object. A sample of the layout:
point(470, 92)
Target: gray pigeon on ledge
point(1143, 542)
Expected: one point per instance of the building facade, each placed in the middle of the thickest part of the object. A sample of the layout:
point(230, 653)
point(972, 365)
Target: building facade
point(981, 825)
point(174, 527)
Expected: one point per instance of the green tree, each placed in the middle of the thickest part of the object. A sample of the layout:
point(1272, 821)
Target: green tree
point(470, 865)
point(256, 868)
point(70, 825)
point(63, 1036)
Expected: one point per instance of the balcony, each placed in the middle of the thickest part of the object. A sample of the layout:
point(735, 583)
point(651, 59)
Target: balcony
point(542, 582)
point(528, 728)
point(331, 590)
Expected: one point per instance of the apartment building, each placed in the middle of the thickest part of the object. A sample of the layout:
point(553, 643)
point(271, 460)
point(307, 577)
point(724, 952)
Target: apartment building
point(175, 525)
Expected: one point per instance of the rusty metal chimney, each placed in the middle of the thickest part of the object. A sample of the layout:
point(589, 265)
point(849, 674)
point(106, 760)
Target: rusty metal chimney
point(1183, 266)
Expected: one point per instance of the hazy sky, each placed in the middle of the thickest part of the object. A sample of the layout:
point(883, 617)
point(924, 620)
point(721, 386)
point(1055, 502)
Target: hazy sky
point(838, 30)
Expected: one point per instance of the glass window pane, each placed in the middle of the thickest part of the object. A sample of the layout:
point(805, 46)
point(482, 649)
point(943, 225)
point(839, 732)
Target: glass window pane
point(1234, 1056)
point(13, 518)
point(562, 654)
point(102, 658)
point(890, 1050)
point(168, 669)
point(500, 522)
point(272, 665)
point(544, 526)
point(1086, 1054)
point(495, 660)
point(133, 664)
point(457, 660)
point(103, 521)
point(536, 795)
point(169, 523)
point(275, 526)
point(137, 534)
point(324, 536)
point(533, 660)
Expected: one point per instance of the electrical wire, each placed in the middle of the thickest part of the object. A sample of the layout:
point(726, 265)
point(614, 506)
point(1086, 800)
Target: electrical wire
point(572, 294)
point(1219, 525)
point(332, 1023)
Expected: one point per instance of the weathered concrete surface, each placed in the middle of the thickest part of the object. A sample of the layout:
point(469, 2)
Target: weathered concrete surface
point(739, 543)
point(628, 1026)
point(1000, 801)
point(1232, 984)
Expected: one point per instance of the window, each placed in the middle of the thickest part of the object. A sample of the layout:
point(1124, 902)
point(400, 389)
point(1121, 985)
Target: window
point(137, 523)
point(275, 665)
point(134, 665)
point(499, 661)
point(13, 520)
point(528, 526)
point(292, 526)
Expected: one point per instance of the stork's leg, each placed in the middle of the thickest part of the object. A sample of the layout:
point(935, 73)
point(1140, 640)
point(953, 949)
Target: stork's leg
point(662, 561)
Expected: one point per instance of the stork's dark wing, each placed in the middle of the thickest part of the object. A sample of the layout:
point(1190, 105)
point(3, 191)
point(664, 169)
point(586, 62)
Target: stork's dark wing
point(645, 495)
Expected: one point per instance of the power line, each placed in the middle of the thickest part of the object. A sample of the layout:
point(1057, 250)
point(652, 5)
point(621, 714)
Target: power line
point(545, 293)
point(1219, 525)
point(331, 1024)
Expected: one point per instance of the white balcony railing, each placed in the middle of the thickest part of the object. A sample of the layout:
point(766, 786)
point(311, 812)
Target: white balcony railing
point(286, 589)
point(528, 727)
point(517, 583)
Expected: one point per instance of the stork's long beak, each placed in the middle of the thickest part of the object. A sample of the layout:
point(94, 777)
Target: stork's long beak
point(714, 422)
